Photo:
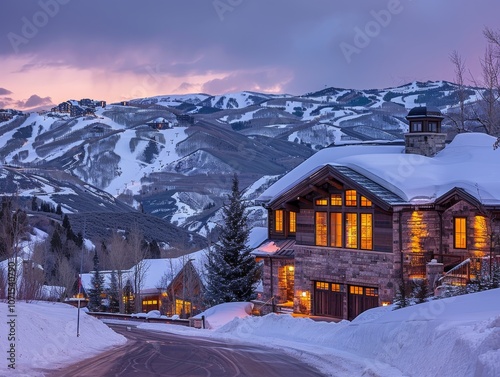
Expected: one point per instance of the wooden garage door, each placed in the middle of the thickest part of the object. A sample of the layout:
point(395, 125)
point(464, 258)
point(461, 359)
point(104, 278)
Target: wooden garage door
point(328, 299)
point(360, 299)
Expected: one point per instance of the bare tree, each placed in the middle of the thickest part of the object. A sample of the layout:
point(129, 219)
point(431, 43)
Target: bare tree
point(138, 250)
point(119, 261)
point(459, 120)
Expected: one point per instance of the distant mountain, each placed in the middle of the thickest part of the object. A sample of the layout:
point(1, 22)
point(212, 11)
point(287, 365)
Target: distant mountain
point(173, 156)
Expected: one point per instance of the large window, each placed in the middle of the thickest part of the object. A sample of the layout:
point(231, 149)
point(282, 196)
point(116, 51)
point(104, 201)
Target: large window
point(366, 236)
point(416, 127)
point(336, 229)
point(278, 220)
point(351, 230)
point(321, 229)
point(351, 198)
point(293, 222)
point(460, 233)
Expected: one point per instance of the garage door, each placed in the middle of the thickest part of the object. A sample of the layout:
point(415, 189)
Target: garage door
point(328, 299)
point(360, 299)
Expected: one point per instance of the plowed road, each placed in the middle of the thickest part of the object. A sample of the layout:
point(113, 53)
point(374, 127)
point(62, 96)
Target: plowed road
point(149, 353)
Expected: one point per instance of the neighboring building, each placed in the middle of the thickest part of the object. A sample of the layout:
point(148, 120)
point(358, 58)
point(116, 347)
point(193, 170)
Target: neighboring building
point(171, 285)
point(159, 123)
point(5, 115)
point(351, 222)
point(84, 107)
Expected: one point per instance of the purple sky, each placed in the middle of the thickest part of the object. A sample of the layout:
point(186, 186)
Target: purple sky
point(53, 50)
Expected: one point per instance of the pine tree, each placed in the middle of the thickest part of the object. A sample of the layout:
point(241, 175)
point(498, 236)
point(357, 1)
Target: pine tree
point(401, 300)
point(97, 282)
point(113, 293)
point(421, 290)
point(232, 272)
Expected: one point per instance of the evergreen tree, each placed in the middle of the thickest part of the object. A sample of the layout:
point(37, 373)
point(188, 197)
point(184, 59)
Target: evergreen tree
point(97, 282)
point(421, 290)
point(232, 272)
point(58, 209)
point(113, 293)
point(154, 250)
point(34, 204)
point(401, 300)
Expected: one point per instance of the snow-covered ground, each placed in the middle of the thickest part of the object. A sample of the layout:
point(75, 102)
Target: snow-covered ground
point(44, 337)
point(453, 337)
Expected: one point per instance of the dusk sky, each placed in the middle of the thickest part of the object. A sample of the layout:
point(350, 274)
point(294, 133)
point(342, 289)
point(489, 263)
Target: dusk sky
point(54, 50)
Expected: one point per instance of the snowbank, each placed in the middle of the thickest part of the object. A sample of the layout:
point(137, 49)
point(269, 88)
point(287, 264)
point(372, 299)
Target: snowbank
point(219, 315)
point(45, 336)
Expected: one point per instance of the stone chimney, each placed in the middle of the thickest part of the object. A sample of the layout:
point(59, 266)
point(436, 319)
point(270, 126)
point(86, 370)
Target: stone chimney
point(425, 137)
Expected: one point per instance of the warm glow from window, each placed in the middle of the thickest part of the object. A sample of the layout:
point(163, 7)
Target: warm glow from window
point(321, 202)
point(365, 202)
point(386, 303)
point(291, 268)
point(336, 200)
point(293, 222)
point(304, 294)
point(366, 231)
point(321, 229)
point(371, 292)
point(278, 220)
point(351, 230)
point(460, 233)
point(351, 198)
point(335, 287)
point(336, 229)
point(149, 302)
point(322, 285)
point(355, 290)
point(182, 304)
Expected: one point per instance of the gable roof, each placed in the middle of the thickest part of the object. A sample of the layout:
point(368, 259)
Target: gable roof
point(469, 162)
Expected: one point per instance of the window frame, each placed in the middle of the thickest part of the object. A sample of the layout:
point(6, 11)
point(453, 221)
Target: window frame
point(279, 220)
point(460, 235)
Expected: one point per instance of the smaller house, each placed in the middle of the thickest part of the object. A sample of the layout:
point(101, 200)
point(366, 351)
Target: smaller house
point(172, 285)
point(159, 123)
point(5, 115)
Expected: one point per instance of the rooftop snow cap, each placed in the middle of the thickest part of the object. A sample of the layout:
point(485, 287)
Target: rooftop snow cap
point(425, 111)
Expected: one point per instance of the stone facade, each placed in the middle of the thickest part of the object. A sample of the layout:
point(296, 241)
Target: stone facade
point(424, 143)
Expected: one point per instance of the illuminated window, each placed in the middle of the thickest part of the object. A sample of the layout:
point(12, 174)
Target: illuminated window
point(366, 228)
point(351, 198)
point(293, 222)
point(365, 202)
point(371, 292)
point(351, 230)
point(321, 202)
point(321, 229)
point(182, 306)
point(336, 229)
point(336, 200)
point(335, 287)
point(355, 290)
point(460, 233)
point(322, 285)
point(278, 220)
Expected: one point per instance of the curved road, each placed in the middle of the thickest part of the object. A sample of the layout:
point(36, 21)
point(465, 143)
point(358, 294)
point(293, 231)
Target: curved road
point(149, 353)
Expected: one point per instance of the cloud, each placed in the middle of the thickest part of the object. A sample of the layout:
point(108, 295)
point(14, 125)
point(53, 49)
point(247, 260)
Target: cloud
point(4, 92)
point(34, 101)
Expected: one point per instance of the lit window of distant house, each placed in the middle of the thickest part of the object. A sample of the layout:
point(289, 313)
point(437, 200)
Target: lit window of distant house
point(460, 233)
point(366, 226)
point(365, 202)
point(336, 200)
point(278, 220)
point(321, 202)
point(351, 198)
point(351, 230)
point(336, 229)
point(321, 229)
point(293, 222)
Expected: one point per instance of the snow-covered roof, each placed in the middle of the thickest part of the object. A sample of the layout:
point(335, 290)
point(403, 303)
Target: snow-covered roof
point(154, 270)
point(468, 162)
